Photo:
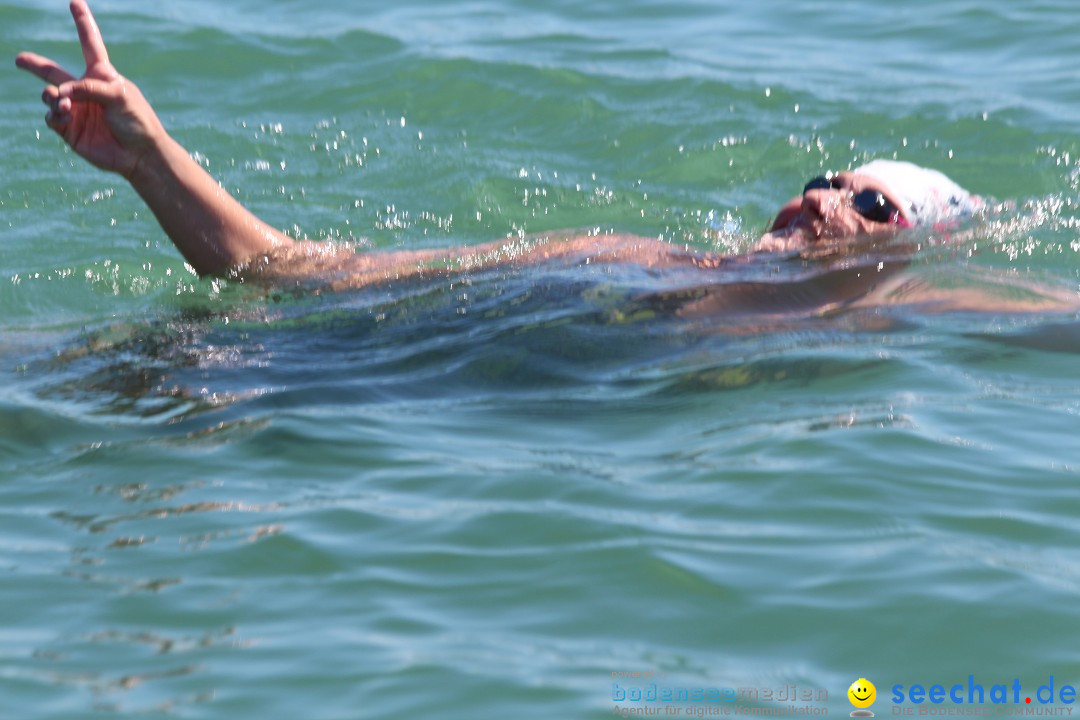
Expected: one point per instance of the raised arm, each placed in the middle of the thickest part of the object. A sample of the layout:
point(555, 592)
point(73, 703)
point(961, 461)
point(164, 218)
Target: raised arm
point(107, 121)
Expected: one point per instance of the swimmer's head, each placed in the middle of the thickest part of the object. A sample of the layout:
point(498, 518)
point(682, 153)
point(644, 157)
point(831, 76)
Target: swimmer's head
point(834, 207)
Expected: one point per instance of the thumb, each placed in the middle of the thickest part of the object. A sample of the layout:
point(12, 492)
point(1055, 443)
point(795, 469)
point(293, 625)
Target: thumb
point(104, 92)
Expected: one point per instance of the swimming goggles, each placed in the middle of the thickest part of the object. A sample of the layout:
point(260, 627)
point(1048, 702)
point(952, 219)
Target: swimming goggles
point(871, 204)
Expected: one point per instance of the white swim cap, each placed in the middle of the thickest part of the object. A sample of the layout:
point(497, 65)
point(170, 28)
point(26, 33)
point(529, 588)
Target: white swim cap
point(928, 196)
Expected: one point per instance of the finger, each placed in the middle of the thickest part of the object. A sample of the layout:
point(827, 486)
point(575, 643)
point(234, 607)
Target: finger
point(93, 46)
point(57, 121)
point(43, 67)
point(50, 96)
point(92, 90)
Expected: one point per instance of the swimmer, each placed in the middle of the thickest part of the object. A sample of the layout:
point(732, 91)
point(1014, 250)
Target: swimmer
point(880, 197)
point(106, 120)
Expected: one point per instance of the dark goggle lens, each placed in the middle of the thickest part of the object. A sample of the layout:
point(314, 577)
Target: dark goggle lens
point(819, 183)
point(874, 206)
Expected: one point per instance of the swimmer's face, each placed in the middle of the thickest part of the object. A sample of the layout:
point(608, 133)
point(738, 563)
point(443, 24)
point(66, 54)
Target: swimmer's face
point(841, 209)
point(832, 213)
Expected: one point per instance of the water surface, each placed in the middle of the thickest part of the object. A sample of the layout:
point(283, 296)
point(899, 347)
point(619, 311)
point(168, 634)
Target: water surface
point(480, 496)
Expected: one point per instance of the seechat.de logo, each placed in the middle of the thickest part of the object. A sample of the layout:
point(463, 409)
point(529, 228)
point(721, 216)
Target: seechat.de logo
point(862, 694)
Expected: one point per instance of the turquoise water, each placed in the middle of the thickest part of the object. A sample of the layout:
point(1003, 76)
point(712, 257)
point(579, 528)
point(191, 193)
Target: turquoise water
point(480, 497)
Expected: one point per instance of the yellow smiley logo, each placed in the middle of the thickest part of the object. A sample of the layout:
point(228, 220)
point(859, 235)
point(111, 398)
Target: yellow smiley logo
point(862, 693)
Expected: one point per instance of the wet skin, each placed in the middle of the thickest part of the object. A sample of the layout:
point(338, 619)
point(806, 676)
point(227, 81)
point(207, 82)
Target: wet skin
point(823, 214)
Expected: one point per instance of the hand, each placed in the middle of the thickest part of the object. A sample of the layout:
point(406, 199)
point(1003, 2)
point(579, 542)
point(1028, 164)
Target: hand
point(102, 115)
point(780, 241)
